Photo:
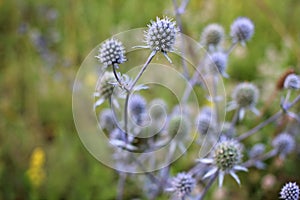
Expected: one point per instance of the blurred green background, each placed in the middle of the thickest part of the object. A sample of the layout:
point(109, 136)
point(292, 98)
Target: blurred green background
point(42, 44)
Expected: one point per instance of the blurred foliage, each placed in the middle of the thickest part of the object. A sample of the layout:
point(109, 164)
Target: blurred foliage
point(42, 45)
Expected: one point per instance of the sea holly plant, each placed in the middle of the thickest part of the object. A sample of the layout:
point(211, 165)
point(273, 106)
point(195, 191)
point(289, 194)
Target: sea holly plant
point(137, 126)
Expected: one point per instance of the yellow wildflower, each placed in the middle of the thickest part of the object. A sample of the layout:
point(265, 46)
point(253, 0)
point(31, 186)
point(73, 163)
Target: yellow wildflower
point(36, 173)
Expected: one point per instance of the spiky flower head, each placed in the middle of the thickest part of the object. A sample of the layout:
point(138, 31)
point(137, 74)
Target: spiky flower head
point(178, 126)
point(242, 30)
point(217, 63)
point(290, 191)
point(284, 143)
point(161, 35)
point(227, 154)
point(292, 81)
point(182, 185)
point(111, 52)
point(106, 120)
point(212, 35)
point(245, 95)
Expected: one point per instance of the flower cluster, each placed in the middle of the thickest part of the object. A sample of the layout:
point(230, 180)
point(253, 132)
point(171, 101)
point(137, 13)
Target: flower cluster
point(145, 125)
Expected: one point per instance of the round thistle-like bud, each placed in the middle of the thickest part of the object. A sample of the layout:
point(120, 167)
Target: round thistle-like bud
point(217, 63)
point(106, 120)
point(281, 79)
point(158, 109)
point(183, 184)
point(290, 191)
point(111, 52)
point(105, 86)
point(257, 150)
point(161, 35)
point(178, 126)
point(227, 154)
point(242, 30)
point(292, 81)
point(137, 107)
point(254, 154)
point(245, 95)
point(212, 35)
point(203, 124)
point(284, 143)
point(204, 121)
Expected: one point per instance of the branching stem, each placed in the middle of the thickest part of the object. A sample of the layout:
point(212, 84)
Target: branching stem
point(271, 119)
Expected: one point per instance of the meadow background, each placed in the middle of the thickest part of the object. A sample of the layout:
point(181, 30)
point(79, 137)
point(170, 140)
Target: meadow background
point(43, 43)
